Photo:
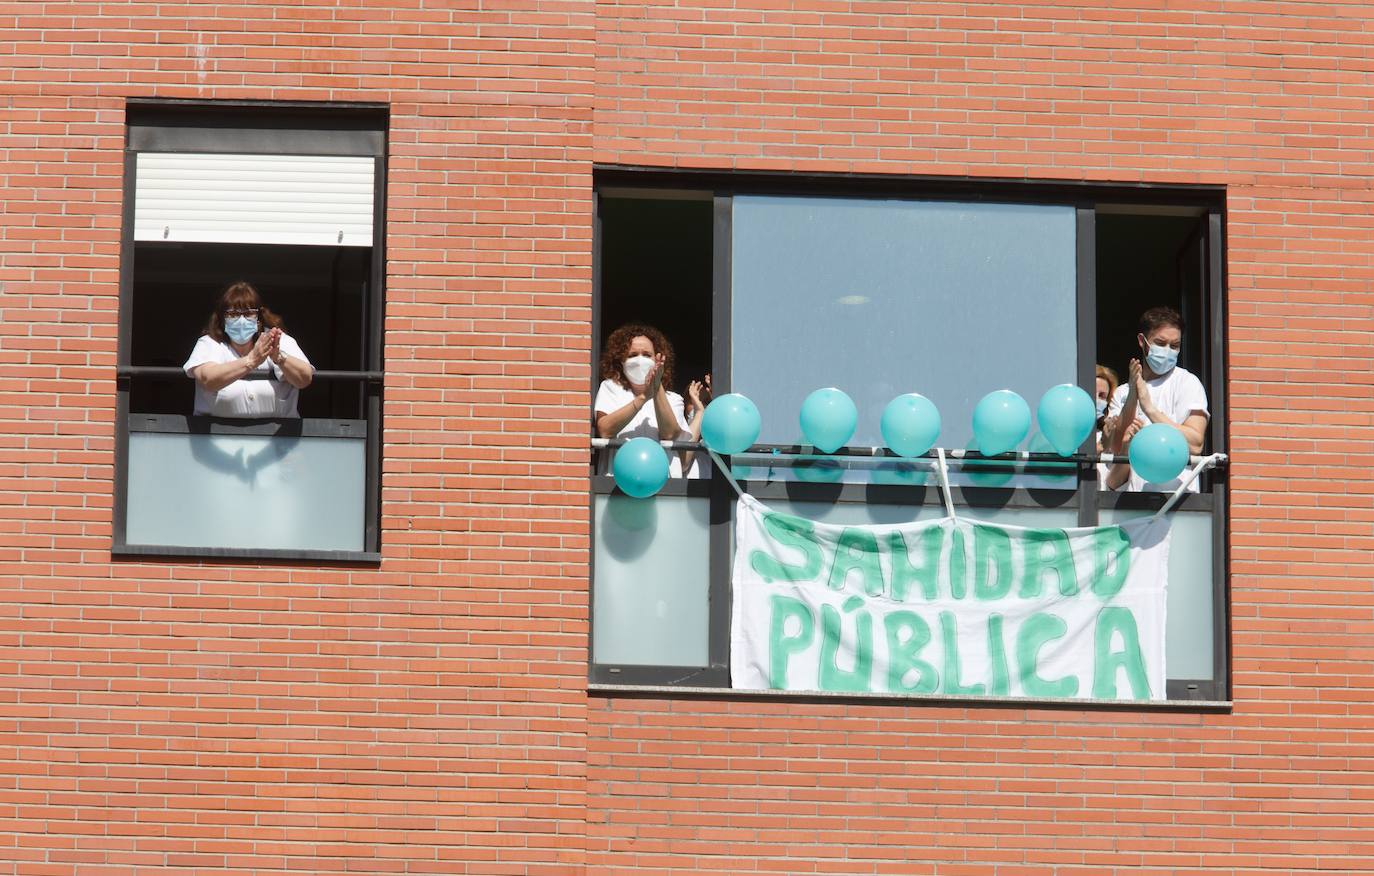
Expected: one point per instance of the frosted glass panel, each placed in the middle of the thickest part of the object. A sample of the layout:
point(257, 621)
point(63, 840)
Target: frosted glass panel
point(882, 297)
point(651, 598)
point(1188, 626)
point(246, 491)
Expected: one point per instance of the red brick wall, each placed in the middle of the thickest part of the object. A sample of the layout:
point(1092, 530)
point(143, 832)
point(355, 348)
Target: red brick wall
point(426, 716)
point(430, 715)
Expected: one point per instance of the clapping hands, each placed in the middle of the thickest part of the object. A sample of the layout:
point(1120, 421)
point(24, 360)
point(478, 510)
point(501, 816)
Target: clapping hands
point(654, 379)
point(267, 346)
point(1140, 390)
point(274, 350)
point(1131, 428)
point(699, 393)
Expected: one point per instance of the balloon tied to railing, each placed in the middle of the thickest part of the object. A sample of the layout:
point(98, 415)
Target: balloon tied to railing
point(910, 427)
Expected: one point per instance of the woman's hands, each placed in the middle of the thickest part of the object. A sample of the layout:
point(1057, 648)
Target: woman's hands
point(294, 371)
point(699, 394)
point(652, 383)
point(274, 345)
point(1132, 428)
point(1120, 472)
point(262, 348)
point(268, 346)
point(1104, 435)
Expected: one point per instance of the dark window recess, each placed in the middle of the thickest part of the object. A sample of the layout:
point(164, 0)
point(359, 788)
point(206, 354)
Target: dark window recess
point(320, 292)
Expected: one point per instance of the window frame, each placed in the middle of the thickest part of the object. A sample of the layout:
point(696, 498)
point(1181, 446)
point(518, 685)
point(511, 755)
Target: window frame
point(255, 127)
point(1208, 203)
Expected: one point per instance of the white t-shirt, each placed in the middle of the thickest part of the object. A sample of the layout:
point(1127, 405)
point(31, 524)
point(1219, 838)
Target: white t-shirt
point(611, 397)
point(245, 398)
point(1178, 395)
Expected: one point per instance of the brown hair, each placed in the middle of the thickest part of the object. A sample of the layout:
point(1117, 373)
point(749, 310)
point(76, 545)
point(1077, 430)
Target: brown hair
point(1108, 375)
point(617, 350)
point(240, 296)
point(1157, 317)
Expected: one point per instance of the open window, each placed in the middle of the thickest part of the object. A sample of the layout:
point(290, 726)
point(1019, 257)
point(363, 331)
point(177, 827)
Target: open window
point(655, 271)
point(290, 199)
point(881, 287)
point(1169, 254)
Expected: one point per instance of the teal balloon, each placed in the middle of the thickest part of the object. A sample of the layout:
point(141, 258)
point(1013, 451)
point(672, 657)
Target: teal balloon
point(640, 467)
point(828, 418)
point(1000, 422)
point(1158, 453)
point(1066, 415)
point(730, 424)
point(910, 424)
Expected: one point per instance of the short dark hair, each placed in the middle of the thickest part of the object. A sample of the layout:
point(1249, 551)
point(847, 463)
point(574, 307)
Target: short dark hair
point(1158, 317)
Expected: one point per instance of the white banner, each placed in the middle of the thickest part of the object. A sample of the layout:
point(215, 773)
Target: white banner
point(948, 607)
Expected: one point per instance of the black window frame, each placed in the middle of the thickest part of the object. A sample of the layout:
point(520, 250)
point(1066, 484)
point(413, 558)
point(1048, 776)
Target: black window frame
point(1208, 203)
point(272, 128)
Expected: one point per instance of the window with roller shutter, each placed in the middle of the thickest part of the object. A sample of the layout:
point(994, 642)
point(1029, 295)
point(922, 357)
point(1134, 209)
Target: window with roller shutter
point(288, 197)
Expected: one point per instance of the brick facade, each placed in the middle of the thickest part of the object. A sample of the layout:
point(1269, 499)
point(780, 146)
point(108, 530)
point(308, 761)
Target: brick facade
point(431, 714)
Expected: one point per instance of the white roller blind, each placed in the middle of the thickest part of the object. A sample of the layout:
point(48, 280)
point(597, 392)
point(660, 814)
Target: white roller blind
point(320, 200)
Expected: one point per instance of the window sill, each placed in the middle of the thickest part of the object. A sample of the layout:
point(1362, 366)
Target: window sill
point(275, 554)
point(659, 691)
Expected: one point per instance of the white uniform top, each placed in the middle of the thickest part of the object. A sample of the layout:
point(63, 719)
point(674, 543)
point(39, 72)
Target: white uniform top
point(611, 397)
point(245, 398)
point(1178, 395)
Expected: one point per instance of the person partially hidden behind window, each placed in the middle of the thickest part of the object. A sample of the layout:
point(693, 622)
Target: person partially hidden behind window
point(241, 338)
point(633, 399)
point(1156, 391)
point(698, 397)
point(1106, 385)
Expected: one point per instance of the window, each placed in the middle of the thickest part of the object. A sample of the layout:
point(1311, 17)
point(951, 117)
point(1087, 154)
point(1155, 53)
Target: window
point(288, 198)
point(778, 285)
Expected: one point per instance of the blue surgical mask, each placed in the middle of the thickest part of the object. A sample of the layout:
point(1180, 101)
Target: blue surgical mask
point(1161, 358)
point(1101, 406)
point(240, 329)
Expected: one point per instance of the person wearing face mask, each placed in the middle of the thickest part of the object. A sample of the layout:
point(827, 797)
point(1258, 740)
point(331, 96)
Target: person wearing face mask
point(244, 338)
point(1107, 382)
point(633, 399)
point(1106, 385)
point(1157, 390)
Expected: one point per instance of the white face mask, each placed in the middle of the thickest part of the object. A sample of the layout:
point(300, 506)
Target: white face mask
point(637, 369)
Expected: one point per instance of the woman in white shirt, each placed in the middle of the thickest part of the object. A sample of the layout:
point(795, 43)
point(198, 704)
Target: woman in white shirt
point(241, 338)
point(633, 399)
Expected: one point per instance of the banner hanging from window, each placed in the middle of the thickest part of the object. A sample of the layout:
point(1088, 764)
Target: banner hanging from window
point(949, 607)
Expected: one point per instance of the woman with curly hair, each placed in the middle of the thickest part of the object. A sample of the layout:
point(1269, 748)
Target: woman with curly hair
point(633, 399)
